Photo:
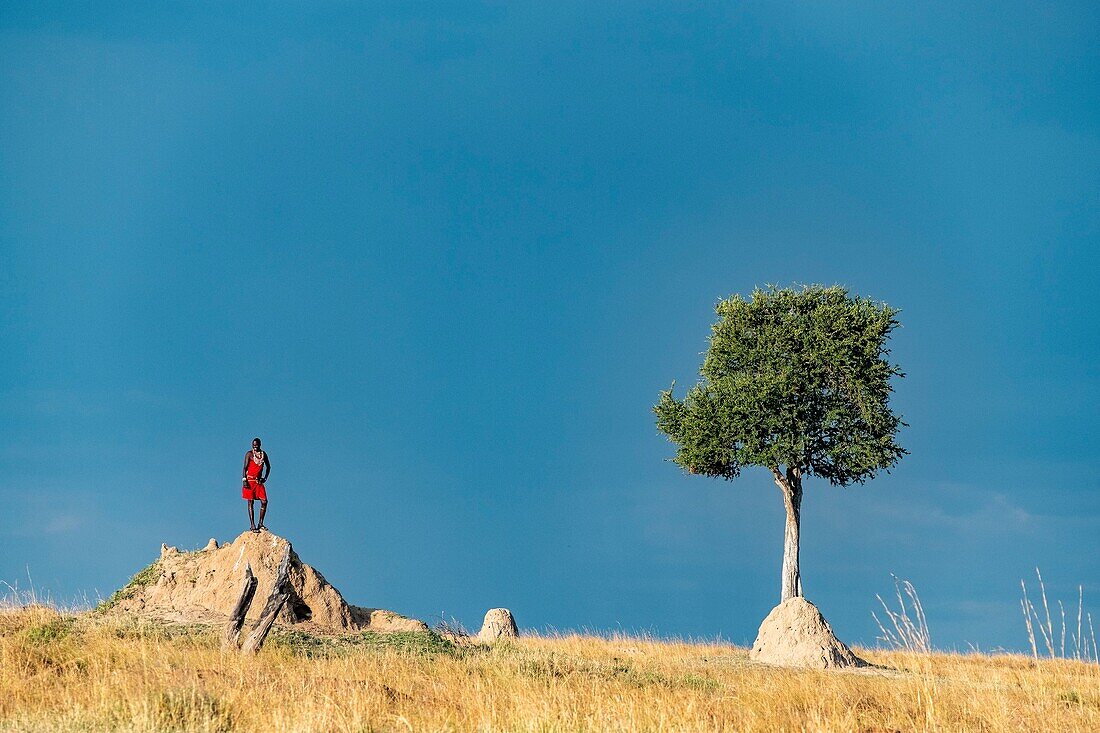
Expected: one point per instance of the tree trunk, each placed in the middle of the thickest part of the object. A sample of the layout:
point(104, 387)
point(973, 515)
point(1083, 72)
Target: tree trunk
point(280, 593)
point(790, 485)
point(231, 638)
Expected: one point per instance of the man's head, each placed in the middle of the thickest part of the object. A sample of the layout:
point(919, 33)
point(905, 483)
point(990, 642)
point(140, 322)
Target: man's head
point(255, 444)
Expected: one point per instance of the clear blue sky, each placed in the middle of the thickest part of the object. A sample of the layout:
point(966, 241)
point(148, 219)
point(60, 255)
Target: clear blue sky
point(442, 258)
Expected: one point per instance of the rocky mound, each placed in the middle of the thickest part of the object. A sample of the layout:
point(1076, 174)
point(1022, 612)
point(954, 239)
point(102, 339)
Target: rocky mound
point(795, 634)
point(203, 586)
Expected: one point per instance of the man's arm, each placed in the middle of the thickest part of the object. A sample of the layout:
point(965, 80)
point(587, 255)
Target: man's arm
point(267, 466)
point(244, 469)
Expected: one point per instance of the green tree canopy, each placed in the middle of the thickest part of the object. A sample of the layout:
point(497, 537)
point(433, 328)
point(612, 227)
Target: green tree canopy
point(792, 378)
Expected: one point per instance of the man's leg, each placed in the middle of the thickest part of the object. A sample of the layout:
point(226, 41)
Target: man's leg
point(251, 515)
point(263, 511)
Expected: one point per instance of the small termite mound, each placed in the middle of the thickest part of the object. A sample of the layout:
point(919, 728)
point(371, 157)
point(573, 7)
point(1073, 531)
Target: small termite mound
point(499, 624)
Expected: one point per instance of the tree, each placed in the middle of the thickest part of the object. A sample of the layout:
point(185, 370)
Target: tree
point(796, 381)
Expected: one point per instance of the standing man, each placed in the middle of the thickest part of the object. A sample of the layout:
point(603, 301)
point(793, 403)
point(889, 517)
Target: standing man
point(257, 467)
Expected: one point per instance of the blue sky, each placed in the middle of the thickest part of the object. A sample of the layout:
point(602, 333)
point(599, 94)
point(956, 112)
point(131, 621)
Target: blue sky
point(442, 258)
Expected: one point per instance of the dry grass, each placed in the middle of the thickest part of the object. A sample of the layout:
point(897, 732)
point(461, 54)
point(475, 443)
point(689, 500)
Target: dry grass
point(90, 673)
point(908, 632)
point(1056, 646)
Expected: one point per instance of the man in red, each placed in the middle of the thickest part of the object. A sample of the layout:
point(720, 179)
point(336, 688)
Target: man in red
point(257, 467)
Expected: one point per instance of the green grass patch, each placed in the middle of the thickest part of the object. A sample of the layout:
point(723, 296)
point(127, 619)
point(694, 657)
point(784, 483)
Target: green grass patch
point(406, 643)
point(553, 666)
point(144, 578)
point(193, 635)
point(650, 678)
point(54, 630)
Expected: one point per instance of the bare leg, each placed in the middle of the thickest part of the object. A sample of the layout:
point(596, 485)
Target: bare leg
point(251, 517)
point(263, 511)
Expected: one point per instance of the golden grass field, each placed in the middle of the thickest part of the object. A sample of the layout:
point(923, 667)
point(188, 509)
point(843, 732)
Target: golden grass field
point(61, 672)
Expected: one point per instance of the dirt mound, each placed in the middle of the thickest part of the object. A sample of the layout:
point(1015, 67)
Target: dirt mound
point(203, 586)
point(499, 624)
point(795, 634)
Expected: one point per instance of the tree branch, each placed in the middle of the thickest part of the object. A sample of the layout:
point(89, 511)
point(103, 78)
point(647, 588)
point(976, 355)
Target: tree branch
point(780, 479)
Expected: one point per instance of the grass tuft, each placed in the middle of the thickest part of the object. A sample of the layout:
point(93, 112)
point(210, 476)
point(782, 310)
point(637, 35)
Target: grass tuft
point(145, 577)
point(189, 709)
